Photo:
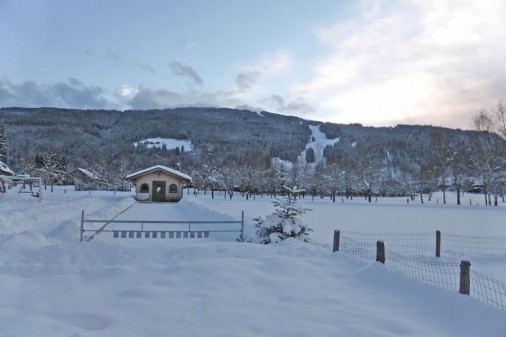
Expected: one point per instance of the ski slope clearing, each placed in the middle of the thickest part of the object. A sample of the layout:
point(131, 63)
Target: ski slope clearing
point(317, 143)
point(53, 285)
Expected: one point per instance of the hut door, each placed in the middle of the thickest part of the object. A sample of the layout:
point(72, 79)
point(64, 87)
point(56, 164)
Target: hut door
point(158, 191)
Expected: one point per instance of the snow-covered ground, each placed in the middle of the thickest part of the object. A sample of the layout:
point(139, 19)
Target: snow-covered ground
point(53, 285)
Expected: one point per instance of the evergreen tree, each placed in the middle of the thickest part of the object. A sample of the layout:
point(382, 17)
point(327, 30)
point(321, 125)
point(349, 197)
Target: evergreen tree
point(285, 222)
point(310, 156)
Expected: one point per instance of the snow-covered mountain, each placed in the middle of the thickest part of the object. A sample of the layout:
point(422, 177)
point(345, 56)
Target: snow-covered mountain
point(225, 136)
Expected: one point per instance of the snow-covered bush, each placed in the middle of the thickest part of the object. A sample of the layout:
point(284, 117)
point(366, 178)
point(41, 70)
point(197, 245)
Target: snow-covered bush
point(285, 222)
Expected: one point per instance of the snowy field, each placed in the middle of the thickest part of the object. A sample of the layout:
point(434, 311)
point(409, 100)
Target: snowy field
point(169, 143)
point(53, 285)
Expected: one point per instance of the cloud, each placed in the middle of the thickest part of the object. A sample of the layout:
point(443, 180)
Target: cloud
point(148, 68)
point(245, 80)
point(123, 95)
point(248, 107)
point(28, 93)
point(256, 83)
point(186, 45)
point(185, 71)
point(269, 68)
point(71, 94)
point(252, 86)
point(114, 57)
point(148, 98)
point(275, 64)
point(297, 107)
point(74, 93)
point(424, 61)
point(126, 91)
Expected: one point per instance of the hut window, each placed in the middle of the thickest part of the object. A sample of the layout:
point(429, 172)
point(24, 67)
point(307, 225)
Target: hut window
point(144, 188)
point(173, 188)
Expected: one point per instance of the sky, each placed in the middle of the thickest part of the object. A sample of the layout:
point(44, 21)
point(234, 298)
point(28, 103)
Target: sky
point(374, 62)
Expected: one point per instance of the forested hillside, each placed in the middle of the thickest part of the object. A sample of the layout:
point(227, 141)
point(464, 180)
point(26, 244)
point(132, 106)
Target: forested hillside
point(233, 149)
point(88, 136)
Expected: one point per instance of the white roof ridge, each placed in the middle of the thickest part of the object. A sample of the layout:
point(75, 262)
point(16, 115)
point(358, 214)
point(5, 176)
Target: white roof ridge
point(6, 168)
point(160, 167)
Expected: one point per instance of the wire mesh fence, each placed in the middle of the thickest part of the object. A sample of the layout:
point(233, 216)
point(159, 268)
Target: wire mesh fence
point(413, 255)
point(426, 244)
point(409, 244)
point(362, 250)
point(435, 273)
point(456, 245)
point(488, 290)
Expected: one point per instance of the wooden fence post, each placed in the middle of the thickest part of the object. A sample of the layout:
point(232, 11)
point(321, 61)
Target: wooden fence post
point(380, 251)
point(438, 243)
point(82, 224)
point(242, 227)
point(337, 237)
point(465, 279)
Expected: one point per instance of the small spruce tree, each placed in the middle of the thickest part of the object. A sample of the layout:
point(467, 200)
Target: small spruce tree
point(285, 222)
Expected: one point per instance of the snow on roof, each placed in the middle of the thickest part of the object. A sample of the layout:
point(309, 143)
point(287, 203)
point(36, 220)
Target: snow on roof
point(88, 173)
point(5, 168)
point(160, 167)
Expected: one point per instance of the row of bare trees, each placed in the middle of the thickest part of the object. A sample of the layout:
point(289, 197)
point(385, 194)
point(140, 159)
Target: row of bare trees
point(491, 161)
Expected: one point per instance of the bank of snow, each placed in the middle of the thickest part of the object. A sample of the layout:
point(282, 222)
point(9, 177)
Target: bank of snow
point(52, 285)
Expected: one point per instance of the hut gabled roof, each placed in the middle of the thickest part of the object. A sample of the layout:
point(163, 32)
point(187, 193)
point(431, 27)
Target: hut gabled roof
point(181, 175)
point(5, 169)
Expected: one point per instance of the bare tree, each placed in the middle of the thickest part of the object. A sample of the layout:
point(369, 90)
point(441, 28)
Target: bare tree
point(489, 158)
point(227, 178)
point(27, 165)
point(123, 168)
point(457, 166)
point(334, 177)
point(500, 119)
point(209, 169)
point(426, 180)
point(368, 175)
point(441, 158)
point(52, 166)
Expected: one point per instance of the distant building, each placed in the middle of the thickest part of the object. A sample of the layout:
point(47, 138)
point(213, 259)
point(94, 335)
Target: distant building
point(5, 170)
point(159, 184)
point(85, 180)
point(476, 186)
